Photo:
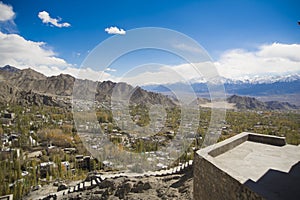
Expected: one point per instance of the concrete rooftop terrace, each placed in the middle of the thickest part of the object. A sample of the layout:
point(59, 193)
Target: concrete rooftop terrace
point(265, 164)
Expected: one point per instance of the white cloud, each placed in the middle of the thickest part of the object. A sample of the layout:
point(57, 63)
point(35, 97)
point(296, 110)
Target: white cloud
point(161, 74)
point(7, 16)
point(272, 59)
point(46, 19)
point(85, 73)
point(287, 51)
point(110, 70)
point(115, 30)
point(6, 12)
point(19, 52)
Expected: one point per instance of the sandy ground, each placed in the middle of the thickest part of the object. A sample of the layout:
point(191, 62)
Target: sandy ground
point(219, 104)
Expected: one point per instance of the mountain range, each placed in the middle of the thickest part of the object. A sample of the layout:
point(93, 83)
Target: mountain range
point(28, 87)
point(280, 87)
point(283, 89)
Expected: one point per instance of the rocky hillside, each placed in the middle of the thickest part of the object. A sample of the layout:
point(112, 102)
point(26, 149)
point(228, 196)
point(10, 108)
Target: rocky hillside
point(175, 186)
point(10, 94)
point(242, 102)
point(30, 87)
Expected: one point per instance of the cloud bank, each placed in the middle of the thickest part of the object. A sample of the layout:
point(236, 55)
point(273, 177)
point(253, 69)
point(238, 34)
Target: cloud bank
point(267, 59)
point(21, 53)
point(115, 30)
point(17, 51)
point(46, 19)
point(266, 62)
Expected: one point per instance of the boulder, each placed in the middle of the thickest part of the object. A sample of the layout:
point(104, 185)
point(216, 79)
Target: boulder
point(62, 187)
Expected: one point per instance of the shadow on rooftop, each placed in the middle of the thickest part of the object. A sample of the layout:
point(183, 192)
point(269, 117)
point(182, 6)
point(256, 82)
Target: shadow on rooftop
point(278, 185)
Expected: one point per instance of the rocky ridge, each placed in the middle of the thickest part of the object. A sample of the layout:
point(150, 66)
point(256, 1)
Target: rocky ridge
point(254, 104)
point(30, 87)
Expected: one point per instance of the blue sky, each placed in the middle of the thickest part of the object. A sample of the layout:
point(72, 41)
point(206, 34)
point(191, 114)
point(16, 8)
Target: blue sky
point(223, 28)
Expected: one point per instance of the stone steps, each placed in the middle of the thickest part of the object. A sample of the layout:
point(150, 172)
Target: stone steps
point(97, 179)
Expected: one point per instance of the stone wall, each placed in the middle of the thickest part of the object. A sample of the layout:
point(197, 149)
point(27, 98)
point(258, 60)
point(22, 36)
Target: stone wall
point(212, 183)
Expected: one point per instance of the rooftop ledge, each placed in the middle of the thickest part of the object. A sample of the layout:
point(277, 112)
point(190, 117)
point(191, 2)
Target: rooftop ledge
point(248, 156)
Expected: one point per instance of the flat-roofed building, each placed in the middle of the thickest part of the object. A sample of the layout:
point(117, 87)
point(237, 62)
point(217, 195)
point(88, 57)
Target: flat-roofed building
point(248, 166)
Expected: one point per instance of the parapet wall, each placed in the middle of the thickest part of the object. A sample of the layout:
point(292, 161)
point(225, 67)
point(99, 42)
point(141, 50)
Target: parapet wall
point(212, 183)
point(243, 137)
